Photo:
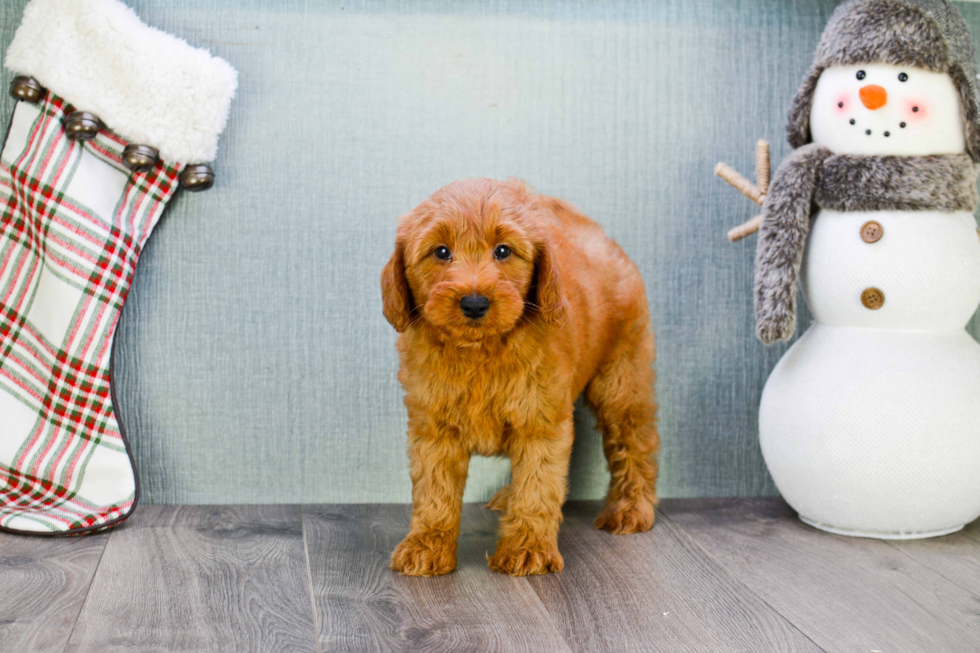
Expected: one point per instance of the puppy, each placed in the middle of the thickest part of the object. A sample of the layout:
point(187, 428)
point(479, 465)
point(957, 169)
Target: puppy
point(509, 306)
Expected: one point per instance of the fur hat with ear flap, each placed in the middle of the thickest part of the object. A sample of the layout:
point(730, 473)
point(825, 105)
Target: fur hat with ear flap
point(928, 34)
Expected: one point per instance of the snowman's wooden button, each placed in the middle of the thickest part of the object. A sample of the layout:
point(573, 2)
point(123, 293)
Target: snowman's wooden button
point(873, 299)
point(872, 232)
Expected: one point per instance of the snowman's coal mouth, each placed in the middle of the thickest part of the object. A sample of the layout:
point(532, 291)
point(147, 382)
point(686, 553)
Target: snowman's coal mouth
point(886, 134)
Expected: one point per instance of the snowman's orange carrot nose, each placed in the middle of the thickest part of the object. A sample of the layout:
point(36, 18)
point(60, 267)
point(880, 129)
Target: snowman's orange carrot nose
point(873, 96)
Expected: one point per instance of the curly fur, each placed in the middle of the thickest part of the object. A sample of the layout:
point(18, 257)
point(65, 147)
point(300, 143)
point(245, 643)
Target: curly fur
point(568, 314)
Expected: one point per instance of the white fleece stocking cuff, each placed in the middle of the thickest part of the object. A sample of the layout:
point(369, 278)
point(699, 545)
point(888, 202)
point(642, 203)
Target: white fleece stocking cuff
point(149, 87)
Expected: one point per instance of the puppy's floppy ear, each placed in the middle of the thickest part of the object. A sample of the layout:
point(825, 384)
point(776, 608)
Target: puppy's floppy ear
point(395, 294)
point(549, 293)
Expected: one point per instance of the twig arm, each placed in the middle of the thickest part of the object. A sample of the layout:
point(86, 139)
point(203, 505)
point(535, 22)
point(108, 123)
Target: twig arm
point(756, 192)
point(740, 183)
point(763, 169)
point(747, 229)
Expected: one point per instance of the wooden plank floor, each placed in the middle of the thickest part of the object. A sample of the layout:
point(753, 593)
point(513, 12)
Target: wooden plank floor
point(714, 575)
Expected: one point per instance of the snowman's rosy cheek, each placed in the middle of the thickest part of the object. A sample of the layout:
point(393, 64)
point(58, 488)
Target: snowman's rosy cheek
point(843, 103)
point(915, 111)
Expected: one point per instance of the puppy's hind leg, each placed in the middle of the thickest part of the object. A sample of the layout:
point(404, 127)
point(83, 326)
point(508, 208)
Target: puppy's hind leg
point(622, 396)
point(499, 500)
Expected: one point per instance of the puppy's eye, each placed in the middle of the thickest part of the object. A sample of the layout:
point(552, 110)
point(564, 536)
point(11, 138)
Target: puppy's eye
point(902, 77)
point(502, 251)
point(443, 253)
point(861, 74)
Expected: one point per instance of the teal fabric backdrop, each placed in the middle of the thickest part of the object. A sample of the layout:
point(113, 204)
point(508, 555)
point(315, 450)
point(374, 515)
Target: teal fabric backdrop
point(254, 364)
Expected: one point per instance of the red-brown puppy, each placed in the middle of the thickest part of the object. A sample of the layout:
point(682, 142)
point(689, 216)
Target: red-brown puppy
point(510, 305)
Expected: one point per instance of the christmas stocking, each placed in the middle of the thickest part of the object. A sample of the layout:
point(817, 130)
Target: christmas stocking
point(114, 117)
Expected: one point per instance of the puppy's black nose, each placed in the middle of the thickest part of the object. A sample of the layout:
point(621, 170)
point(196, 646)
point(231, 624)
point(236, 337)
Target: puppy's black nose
point(474, 306)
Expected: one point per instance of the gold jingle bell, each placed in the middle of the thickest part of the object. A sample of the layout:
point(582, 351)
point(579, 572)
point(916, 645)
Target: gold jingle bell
point(197, 177)
point(27, 89)
point(82, 126)
point(140, 158)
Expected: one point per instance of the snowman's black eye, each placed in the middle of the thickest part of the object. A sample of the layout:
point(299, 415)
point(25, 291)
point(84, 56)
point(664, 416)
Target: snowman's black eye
point(902, 77)
point(861, 74)
point(502, 251)
point(443, 253)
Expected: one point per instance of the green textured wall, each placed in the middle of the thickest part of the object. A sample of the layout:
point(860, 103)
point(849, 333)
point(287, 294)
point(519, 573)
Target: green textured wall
point(254, 364)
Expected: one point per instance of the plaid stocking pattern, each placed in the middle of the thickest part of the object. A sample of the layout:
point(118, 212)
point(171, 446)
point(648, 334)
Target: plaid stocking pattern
point(74, 221)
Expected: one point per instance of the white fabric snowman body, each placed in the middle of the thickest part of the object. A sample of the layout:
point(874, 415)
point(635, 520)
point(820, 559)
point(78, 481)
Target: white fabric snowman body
point(870, 424)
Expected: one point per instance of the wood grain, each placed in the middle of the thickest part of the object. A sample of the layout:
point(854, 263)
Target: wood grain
point(718, 575)
point(655, 591)
point(364, 606)
point(43, 583)
point(846, 594)
point(201, 578)
point(956, 557)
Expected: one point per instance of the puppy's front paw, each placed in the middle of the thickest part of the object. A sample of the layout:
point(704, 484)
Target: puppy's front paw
point(527, 560)
point(625, 516)
point(428, 553)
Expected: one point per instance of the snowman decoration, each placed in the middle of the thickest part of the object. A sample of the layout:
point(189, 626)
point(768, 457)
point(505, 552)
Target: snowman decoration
point(870, 423)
